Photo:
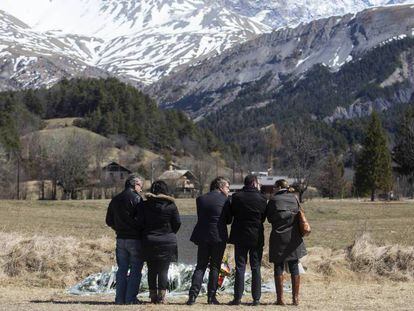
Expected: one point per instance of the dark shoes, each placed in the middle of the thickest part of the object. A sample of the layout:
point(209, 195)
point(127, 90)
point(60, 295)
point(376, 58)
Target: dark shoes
point(191, 300)
point(256, 303)
point(212, 300)
point(153, 295)
point(235, 302)
point(161, 296)
point(134, 302)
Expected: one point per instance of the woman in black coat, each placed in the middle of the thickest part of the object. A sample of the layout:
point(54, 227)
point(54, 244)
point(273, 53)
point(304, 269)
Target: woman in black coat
point(159, 220)
point(286, 243)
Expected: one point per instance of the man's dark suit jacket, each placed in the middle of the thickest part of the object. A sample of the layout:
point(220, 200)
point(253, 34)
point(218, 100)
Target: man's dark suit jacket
point(248, 208)
point(213, 216)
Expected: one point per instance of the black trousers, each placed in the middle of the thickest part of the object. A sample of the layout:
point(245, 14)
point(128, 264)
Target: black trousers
point(255, 257)
point(207, 254)
point(158, 274)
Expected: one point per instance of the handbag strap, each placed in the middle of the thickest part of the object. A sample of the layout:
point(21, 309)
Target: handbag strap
point(299, 205)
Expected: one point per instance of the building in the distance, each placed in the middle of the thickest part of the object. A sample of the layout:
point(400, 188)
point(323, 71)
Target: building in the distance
point(182, 183)
point(115, 172)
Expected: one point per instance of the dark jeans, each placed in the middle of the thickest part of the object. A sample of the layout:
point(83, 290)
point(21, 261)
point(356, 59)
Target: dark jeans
point(207, 254)
point(128, 257)
point(158, 274)
point(293, 267)
point(255, 257)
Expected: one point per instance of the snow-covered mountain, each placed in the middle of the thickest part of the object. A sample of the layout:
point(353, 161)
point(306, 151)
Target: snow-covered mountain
point(281, 13)
point(29, 59)
point(138, 40)
point(280, 55)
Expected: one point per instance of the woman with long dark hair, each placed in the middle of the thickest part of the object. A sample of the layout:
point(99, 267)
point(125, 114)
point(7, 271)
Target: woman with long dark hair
point(285, 243)
point(160, 221)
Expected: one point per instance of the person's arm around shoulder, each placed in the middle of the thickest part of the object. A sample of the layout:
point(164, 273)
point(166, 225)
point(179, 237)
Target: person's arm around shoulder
point(175, 219)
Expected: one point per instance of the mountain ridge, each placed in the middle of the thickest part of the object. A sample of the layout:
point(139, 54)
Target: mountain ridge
point(285, 53)
point(143, 41)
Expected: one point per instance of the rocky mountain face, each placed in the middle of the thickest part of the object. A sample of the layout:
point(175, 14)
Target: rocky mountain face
point(139, 40)
point(283, 54)
point(281, 13)
point(30, 60)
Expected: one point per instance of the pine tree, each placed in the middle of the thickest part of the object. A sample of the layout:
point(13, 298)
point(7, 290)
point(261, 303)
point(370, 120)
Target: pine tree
point(403, 152)
point(373, 167)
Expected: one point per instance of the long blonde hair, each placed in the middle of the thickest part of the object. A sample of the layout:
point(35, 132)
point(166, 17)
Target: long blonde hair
point(283, 184)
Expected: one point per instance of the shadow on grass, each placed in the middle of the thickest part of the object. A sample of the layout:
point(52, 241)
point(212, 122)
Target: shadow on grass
point(73, 302)
point(107, 303)
point(93, 303)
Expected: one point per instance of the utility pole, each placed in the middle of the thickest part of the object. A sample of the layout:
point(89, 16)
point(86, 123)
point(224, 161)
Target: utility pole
point(18, 178)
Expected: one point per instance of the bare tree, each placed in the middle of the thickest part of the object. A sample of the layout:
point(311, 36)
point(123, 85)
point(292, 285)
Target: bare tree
point(67, 162)
point(302, 154)
point(204, 170)
point(7, 175)
point(73, 164)
point(37, 161)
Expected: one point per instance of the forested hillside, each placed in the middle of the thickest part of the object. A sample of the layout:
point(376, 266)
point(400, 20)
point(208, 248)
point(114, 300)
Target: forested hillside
point(108, 107)
point(334, 105)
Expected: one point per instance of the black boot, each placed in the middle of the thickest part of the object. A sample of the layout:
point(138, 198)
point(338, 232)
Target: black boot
point(191, 300)
point(212, 300)
point(153, 295)
point(235, 302)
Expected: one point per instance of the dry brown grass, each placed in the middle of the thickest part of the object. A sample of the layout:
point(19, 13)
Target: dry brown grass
point(393, 261)
point(57, 243)
point(51, 261)
point(315, 295)
point(59, 122)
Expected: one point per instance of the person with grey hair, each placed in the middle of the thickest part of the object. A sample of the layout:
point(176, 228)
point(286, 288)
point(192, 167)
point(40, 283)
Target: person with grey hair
point(210, 235)
point(121, 216)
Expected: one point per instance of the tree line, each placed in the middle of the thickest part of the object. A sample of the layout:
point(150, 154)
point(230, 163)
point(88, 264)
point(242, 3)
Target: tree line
point(105, 106)
point(108, 107)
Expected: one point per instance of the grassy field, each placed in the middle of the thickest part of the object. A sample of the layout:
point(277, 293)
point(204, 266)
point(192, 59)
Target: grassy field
point(57, 239)
point(335, 224)
point(324, 296)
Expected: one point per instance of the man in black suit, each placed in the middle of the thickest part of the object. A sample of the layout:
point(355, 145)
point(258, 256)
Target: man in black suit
point(210, 235)
point(248, 209)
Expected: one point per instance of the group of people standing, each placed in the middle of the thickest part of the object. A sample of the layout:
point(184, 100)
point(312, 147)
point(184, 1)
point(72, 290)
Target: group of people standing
point(146, 232)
